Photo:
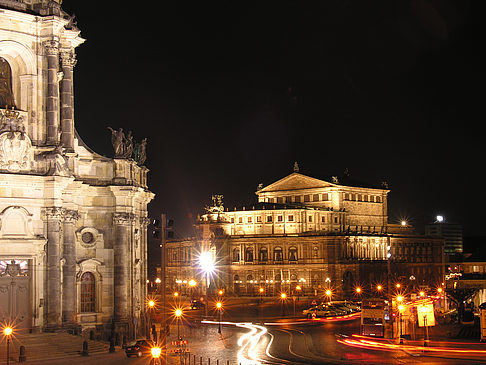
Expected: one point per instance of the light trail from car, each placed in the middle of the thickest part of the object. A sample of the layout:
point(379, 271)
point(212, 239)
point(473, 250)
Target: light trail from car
point(383, 345)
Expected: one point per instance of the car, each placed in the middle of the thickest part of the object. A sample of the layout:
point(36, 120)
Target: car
point(195, 304)
point(139, 348)
point(316, 311)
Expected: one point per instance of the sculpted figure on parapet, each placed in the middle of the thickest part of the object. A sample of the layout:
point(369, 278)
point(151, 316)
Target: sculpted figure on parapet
point(125, 147)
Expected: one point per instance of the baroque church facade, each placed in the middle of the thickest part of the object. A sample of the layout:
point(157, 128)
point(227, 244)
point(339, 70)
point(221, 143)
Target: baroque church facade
point(73, 223)
point(308, 233)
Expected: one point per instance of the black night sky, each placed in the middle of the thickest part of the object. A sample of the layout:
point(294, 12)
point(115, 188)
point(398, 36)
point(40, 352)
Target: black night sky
point(230, 94)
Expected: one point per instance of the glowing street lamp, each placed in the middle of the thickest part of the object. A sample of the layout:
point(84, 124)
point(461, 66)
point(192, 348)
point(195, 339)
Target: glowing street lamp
point(358, 290)
point(7, 331)
point(151, 303)
point(328, 293)
point(220, 292)
point(283, 297)
point(207, 266)
point(156, 352)
point(400, 310)
point(219, 307)
point(422, 293)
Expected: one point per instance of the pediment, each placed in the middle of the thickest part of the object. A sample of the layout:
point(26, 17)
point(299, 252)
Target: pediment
point(296, 181)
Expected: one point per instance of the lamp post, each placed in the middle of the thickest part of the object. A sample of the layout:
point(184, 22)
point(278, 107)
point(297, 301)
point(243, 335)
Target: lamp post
point(206, 263)
point(423, 309)
point(219, 306)
point(400, 310)
point(283, 296)
point(178, 314)
point(329, 294)
point(7, 331)
point(151, 306)
point(156, 352)
point(192, 283)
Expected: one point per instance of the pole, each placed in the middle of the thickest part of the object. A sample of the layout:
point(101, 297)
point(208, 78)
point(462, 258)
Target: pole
point(426, 330)
point(8, 350)
point(400, 320)
point(163, 263)
point(219, 324)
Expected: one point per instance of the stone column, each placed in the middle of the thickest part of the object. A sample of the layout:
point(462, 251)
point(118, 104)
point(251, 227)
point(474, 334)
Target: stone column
point(52, 95)
point(69, 270)
point(54, 231)
point(121, 222)
point(68, 62)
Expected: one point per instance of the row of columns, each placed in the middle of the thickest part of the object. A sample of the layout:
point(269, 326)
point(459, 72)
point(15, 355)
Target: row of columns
point(61, 308)
point(60, 95)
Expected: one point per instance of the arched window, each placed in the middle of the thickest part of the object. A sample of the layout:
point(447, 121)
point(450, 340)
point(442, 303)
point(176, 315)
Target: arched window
point(249, 255)
point(88, 295)
point(236, 255)
point(293, 253)
point(263, 256)
point(277, 254)
point(6, 94)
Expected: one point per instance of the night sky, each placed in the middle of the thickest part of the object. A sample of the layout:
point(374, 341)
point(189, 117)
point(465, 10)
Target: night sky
point(230, 94)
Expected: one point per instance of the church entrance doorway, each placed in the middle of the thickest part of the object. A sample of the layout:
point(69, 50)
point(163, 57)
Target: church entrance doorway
point(15, 293)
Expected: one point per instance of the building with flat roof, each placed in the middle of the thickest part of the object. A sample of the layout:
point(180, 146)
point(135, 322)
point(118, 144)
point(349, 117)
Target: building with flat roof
point(307, 233)
point(451, 232)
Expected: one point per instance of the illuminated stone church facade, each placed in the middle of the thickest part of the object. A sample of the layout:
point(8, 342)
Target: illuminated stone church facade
point(72, 223)
point(308, 233)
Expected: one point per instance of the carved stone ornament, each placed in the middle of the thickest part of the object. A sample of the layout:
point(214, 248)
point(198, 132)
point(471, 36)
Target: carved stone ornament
point(15, 145)
point(71, 216)
point(122, 218)
point(54, 213)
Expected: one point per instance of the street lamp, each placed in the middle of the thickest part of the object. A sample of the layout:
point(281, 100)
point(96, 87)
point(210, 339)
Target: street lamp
point(207, 265)
point(358, 290)
point(192, 283)
point(156, 352)
point(328, 293)
point(400, 310)
point(423, 310)
point(7, 331)
point(219, 306)
point(283, 296)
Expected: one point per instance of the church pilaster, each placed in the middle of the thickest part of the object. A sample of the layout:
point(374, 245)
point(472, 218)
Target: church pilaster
point(52, 95)
point(122, 223)
point(69, 270)
point(54, 217)
point(68, 61)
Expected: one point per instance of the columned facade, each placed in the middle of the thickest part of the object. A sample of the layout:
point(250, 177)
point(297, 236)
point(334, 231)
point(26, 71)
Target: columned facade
point(73, 245)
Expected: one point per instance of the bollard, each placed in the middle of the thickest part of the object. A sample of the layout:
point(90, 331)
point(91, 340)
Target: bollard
point(217, 362)
point(200, 360)
point(85, 348)
point(209, 361)
point(112, 345)
point(22, 356)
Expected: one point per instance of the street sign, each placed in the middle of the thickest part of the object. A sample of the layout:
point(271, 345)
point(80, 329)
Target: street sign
point(425, 315)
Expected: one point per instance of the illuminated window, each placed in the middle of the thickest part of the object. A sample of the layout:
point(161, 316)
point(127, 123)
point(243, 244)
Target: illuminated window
point(250, 220)
point(249, 255)
point(259, 219)
point(293, 254)
point(263, 255)
point(236, 255)
point(88, 293)
point(240, 220)
point(232, 219)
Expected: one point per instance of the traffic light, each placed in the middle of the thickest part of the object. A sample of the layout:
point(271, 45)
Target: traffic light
point(167, 228)
point(156, 228)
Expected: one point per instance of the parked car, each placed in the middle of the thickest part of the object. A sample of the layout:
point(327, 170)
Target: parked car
point(139, 348)
point(319, 311)
point(196, 304)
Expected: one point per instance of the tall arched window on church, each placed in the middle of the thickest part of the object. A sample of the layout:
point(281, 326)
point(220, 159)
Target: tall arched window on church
point(6, 93)
point(88, 295)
